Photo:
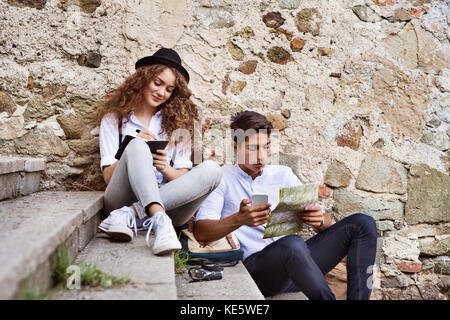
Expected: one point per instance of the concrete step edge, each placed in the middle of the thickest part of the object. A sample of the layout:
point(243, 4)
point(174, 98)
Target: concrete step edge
point(152, 277)
point(20, 176)
point(15, 164)
point(33, 229)
point(236, 284)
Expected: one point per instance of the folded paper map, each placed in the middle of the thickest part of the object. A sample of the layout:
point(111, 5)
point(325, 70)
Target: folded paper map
point(284, 220)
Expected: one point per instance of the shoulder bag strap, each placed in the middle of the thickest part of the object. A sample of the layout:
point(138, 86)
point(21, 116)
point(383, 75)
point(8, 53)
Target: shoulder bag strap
point(120, 132)
point(230, 241)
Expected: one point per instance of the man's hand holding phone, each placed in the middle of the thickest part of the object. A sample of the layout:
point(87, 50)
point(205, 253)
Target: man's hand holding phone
point(253, 216)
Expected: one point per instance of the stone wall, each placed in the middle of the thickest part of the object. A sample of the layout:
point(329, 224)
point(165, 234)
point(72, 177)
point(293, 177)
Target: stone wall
point(359, 89)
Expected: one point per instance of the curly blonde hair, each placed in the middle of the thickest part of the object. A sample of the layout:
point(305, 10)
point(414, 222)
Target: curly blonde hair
point(178, 112)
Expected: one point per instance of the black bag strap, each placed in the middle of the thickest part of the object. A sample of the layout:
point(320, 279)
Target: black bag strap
point(120, 132)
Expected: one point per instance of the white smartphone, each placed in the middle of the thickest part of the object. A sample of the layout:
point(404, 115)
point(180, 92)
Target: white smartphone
point(259, 199)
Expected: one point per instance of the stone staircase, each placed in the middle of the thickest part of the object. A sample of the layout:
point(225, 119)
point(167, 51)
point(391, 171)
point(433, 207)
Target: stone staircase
point(36, 224)
point(19, 176)
point(151, 277)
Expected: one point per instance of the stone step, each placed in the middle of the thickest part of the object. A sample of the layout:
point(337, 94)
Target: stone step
point(236, 284)
point(152, 277)
point(19, 176)
point(289, 296)
point(34, 226)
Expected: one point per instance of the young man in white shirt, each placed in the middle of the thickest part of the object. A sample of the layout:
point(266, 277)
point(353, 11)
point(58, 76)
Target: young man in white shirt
point(288, 263)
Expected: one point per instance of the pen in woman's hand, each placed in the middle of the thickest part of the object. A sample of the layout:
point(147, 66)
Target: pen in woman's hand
point(146, 135)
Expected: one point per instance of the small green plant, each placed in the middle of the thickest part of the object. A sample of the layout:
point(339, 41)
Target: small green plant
point(61, 261)
point(32, 293)
point(181, 258)
point(181, 261)
point(91, 276)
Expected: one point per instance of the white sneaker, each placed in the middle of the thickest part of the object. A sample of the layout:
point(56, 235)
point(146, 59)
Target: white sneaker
point(118, 224)
point(166, 239)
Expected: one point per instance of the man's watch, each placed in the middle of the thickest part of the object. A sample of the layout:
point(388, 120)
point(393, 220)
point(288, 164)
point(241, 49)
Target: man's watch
point(323, 218)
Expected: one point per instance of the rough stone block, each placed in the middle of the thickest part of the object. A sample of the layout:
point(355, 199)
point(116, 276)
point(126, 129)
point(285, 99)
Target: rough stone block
point(12, 128)
point(7, 104)
point(403, 47)
point(218, 17)
point(409, 266)
point(399, 281)
point(37, 4)
point(337, 175)
point(84, 147)
point(435, 246)
point(292, 162)
point(279, 55)
point(32, 165)
point(379, 174)
point(379, 258)
point(289, 4)
point(430, 291)
point(442, 265)
point(48, 142)
point(29, 182)
point(308, 20)
point(11, 164)
point(427, 230)
point(273, 19)
point(408, 293)
point(366, 14)
point(10, 185)
point(385, 225)
point(428, 196)
point(401, 248)
point(346, 203)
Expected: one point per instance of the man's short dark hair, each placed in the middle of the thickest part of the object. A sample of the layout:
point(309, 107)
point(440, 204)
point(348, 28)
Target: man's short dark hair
point(250, 120)
point(247, 120)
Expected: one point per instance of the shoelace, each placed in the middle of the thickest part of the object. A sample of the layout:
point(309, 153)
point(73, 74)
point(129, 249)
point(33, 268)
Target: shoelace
point(150, 222)
point(131, 221)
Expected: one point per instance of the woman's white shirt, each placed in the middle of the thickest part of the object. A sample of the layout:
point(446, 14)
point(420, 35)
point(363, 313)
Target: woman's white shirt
point(109, 141)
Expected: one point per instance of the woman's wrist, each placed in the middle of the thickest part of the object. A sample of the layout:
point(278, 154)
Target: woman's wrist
point(166, 171)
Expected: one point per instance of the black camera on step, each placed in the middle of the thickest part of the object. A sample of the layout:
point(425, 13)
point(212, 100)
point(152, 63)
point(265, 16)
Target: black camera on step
point(206, 272)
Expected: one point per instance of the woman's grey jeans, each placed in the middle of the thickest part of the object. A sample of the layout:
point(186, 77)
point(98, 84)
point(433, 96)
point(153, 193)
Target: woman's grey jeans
point(134, 182)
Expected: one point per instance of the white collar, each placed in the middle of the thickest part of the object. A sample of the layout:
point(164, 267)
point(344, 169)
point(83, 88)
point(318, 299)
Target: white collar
point(244, 174)
point(135, 120)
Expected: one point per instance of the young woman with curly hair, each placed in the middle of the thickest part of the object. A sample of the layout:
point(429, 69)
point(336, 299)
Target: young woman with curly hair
point(160, 189)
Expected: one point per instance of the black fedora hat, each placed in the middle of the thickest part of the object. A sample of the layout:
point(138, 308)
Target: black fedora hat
point(164, 56)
